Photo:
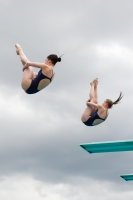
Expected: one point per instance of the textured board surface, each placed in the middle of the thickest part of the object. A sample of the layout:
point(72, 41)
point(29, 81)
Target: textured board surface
point(108, 146)
point(127, 177)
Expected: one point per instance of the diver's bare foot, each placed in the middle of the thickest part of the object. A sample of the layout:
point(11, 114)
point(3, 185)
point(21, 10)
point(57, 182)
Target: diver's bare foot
point(95, 81)
point(18, 48)
point(92, 83)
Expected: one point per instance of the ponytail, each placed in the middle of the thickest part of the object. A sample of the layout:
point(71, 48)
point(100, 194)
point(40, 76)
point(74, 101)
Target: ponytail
point(119, 98)
point(111, 103)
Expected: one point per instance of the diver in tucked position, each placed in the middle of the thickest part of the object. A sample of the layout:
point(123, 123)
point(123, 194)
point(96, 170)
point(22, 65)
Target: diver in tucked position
point(31, 81)
point(95, 113)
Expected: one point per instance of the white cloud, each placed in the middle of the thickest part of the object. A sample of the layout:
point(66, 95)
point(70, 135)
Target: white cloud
point(115, 51)
point(25, 187)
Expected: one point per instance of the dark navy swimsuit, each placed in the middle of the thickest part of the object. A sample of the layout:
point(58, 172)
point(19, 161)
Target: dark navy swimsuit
point(35, 82)
point(95, 116)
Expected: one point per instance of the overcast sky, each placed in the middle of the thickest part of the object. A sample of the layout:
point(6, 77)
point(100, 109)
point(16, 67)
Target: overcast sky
point(40, 156)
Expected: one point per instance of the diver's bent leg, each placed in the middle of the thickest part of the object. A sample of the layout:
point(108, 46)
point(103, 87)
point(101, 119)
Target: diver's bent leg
point(87, 113)
point(20, 52)
point(28, 76)
point(92, 92)
point(95, 90)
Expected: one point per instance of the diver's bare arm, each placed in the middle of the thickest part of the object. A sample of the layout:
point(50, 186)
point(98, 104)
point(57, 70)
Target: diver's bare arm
point(35, 64)
point(93, 105)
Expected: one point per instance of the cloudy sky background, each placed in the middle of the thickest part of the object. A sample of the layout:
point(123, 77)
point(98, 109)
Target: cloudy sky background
point(40, 157)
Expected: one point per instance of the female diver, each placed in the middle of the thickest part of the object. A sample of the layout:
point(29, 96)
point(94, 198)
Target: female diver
point(95, 113)
point(31, 81)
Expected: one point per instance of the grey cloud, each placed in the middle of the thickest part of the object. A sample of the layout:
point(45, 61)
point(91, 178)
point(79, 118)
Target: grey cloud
point(41, 136)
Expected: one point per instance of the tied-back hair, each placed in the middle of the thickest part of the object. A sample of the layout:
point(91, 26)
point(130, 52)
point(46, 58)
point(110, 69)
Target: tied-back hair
point(111, 103)
point(54, 58)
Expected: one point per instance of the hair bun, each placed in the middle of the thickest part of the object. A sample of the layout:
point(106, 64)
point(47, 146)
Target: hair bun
point(59, 59)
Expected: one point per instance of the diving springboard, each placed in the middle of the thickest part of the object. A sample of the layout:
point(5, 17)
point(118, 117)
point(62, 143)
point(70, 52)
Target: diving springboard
point(127, 177)
point(108, 146)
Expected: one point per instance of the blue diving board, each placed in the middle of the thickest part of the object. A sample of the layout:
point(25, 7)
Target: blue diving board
point(108, 146)
point(127, 177)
